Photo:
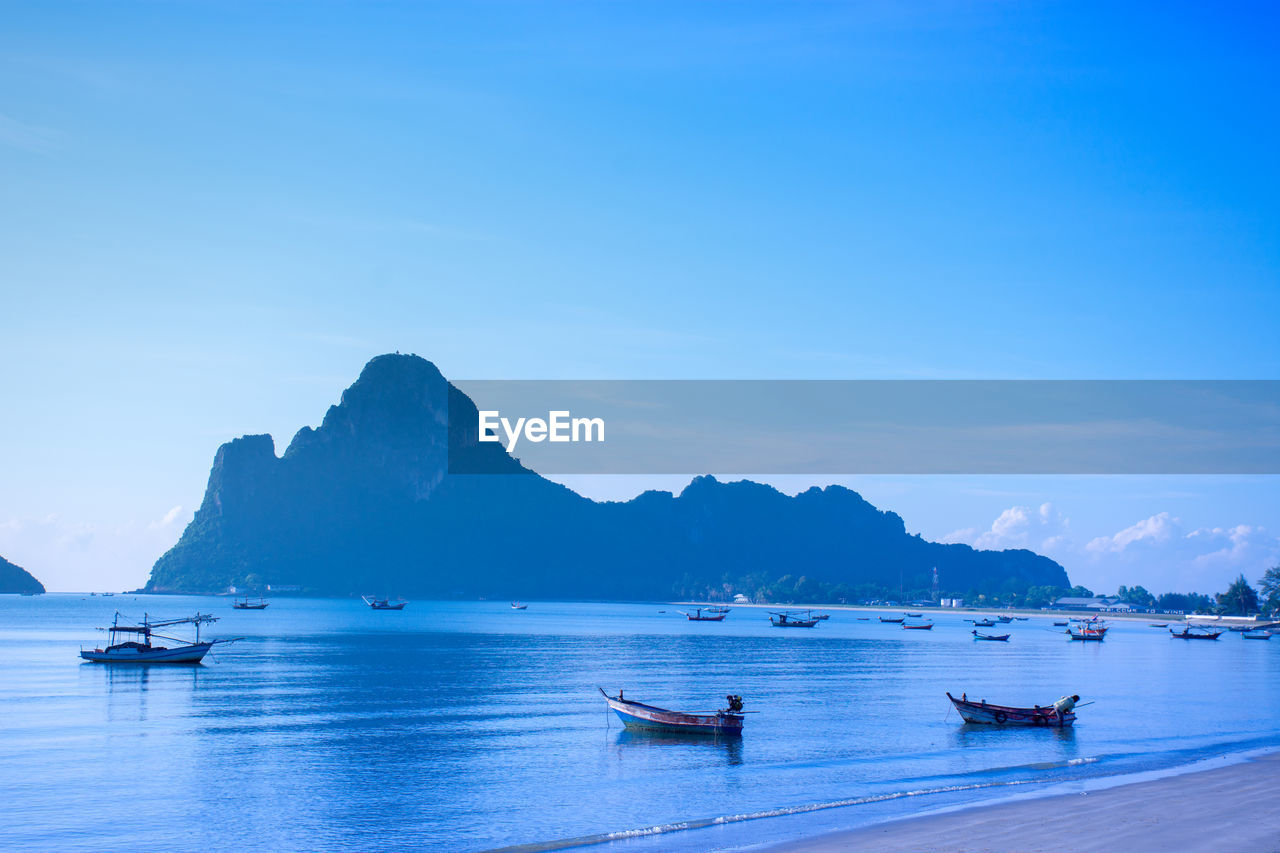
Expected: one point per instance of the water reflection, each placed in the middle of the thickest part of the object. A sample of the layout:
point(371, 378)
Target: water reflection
point(731, 747)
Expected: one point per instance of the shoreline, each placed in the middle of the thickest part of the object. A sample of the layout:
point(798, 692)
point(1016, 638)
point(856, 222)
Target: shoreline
point(1236, 807)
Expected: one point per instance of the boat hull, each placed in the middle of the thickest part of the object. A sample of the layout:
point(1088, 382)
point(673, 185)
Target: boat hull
point(182, 654)
point(635, 715)
point(985, 714)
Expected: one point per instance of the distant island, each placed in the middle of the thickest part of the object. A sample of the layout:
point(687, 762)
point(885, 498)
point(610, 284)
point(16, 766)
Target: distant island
point(365, 503)
point(15, 580)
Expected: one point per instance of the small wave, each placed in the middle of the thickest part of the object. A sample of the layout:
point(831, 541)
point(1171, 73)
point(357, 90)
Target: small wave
point(783, 811)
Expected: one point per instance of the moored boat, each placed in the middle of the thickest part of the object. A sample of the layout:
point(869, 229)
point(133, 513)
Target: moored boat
point(917, 626)
point(515, 605)
point(384, 603)
point(1257, 635)
point(982, 623)
point(787, 619)
point(892, 620)
point(999, 638)
point(637, 715)
point(715, 614)
point(1088, 635)
point(1058, 715)
point(143, 650)
point(1189, 633)
point(246, 604)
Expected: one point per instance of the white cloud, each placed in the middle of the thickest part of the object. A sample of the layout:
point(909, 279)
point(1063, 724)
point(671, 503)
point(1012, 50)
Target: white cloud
point(1041, 528)
point(1160, 553)
point(1157, 529)
point(168, 519)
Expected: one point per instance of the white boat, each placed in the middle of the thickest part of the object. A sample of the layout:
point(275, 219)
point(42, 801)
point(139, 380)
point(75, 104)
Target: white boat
point(143, 650)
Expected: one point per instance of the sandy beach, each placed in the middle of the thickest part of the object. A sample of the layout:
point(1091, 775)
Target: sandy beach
point(1229, 808)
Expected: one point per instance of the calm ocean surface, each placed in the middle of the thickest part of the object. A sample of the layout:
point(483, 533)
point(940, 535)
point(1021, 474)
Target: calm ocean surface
point(468, 726)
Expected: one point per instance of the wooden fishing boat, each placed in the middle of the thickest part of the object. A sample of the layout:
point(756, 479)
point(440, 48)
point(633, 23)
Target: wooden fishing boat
point(1088, 635)
point(637, 715)
point(893, 620)
point(1059, 624)
point(712, 615)
point(1158, 625)
point(1257, 635)
point(982, 623)
point(384, 603)
point(921, 626)
point(246, 604)
point(984, 713)
point(515, 605)
point(999, 638)
point(1005, 619)
point(790, 620)
point(142, 650)
point(1188, 634)
point(915, 615)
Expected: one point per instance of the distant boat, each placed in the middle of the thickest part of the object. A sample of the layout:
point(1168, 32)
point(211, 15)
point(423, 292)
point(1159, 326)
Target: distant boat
point(713, 615)
point(982, 623)
point(790, 620)
point(923, 626)
point(1059, 624)
point(246, 604)
point(915, 615)
point(1158, 625)
point(1200, 634)
point(1087, 634)
point(985, 713)
point(636, 715)
point(515, 605)
point(1257, 635)
point(1005, 619)
point(892, 620)
point(384, 603)
point(999, 638)
point(143, 650)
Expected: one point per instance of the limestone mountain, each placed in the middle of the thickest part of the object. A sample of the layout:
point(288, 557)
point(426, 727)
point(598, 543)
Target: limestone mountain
point(15, 579)
point(365, 502)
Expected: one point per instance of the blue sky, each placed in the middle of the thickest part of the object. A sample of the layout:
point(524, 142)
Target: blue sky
point(215, 213)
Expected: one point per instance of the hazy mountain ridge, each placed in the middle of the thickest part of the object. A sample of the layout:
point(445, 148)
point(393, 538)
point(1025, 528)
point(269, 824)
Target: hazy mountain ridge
point(364, 503)
point(16, 580)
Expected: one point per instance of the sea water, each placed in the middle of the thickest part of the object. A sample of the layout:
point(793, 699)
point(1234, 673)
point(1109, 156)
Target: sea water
point(458, 726)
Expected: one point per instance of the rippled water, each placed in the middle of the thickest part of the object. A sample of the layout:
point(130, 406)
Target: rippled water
point(466, 726)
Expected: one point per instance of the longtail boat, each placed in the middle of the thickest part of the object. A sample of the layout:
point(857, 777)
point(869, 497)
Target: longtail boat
point(142, 650)
point(894, 620)
point(1005, 715)
point(713, 615)
point(1188, 634)
point(914, 615)
point(384, 603)
point(921, 626)
point(982, 623)
point(999, 638)
point(789, 620)
point(637, 715)
point(1059, 624)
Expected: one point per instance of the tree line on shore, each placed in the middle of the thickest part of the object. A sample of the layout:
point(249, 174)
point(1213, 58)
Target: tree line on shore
point(1239, 599)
